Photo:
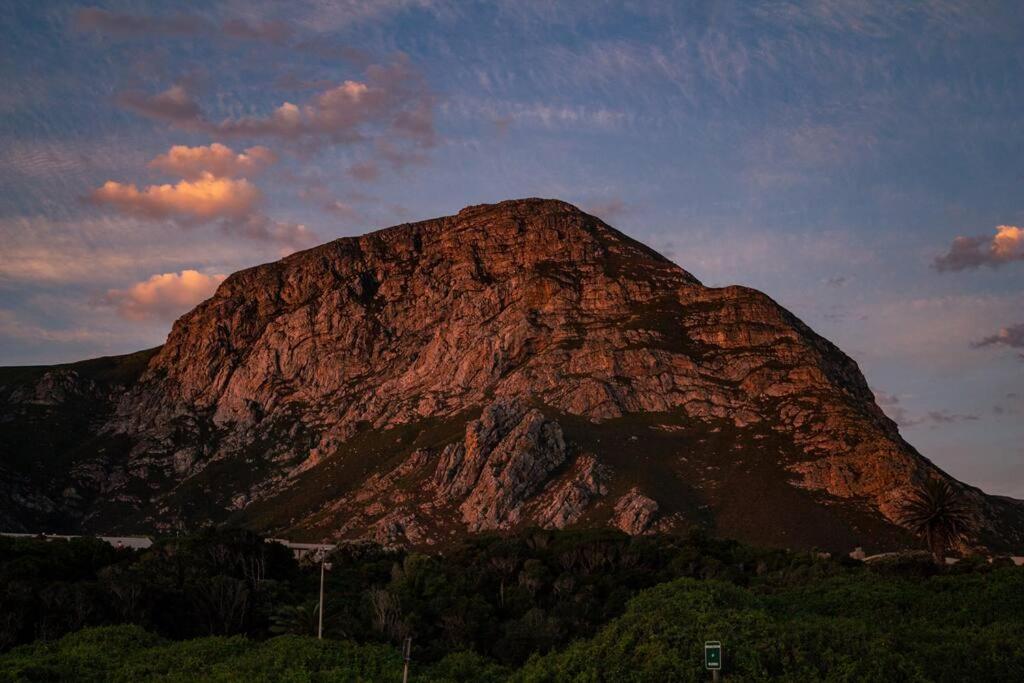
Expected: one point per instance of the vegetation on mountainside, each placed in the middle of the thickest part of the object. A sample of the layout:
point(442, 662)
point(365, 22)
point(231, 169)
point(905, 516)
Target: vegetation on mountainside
point(544, 606)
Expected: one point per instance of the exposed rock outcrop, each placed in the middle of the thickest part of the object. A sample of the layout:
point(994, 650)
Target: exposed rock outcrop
point(567, 500)
point(634, 512)
point(507, 455)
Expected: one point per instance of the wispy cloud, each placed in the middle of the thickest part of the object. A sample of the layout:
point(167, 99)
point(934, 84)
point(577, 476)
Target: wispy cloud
point(175, 104)
point(102, 251)
point(128, 25)
point(124, 24)
point(891, 404)
point(274, 31)
point(1011, 336)
point(507, 114)
point(393, 102)
point(390, 111)
point(13, 327)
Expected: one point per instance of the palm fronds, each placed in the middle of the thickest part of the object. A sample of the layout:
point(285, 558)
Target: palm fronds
point(939, 513)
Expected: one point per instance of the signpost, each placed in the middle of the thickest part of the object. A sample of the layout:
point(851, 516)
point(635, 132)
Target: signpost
point(713, 657)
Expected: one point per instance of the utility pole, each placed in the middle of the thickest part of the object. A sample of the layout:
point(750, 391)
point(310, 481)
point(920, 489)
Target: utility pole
point(406, 655)
point(323, 569)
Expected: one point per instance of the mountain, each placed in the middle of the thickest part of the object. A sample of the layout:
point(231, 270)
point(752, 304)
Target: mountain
point(517, 364)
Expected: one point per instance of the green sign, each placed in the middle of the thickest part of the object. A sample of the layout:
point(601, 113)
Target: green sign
point(712, 655)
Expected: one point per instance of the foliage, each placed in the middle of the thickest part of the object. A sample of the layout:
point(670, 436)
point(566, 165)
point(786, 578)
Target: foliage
point(849, 628)
point(541, 606)
point(938, 513)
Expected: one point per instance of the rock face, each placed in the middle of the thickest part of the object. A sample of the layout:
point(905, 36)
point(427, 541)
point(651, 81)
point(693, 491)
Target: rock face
point(634, 512)
point(506, 456)
point(516, 364)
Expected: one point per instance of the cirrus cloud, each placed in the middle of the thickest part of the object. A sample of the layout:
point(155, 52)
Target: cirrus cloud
point(1005, 246)
point(215, 159)
point(119, 23)
point(201, 200)
point(164, 296)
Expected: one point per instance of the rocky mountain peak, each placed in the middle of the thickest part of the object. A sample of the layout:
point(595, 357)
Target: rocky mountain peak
point(520, 363)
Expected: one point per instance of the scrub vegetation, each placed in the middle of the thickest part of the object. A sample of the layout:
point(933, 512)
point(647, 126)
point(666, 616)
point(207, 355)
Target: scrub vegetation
point(539, 606)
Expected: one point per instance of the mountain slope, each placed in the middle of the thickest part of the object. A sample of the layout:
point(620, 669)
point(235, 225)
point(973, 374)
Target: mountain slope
point(519, 363)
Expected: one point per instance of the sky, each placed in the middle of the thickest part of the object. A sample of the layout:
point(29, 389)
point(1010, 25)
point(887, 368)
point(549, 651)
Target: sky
point(861, 162)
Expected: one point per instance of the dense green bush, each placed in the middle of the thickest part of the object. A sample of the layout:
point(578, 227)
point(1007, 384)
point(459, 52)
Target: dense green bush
point(861, 626)
point(128, 653)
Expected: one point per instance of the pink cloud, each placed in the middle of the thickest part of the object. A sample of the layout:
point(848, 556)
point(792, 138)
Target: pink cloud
point(1005, 246)
point(391, 96)
point(391, 107)
point(215, 159)
point(164, 296)
point(201, 200)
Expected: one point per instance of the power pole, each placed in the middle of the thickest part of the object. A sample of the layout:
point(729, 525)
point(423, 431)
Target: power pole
point(323, 567)
point(406, 655)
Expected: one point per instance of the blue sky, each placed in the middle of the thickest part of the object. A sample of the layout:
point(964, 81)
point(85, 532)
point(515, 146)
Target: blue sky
point(861, 162)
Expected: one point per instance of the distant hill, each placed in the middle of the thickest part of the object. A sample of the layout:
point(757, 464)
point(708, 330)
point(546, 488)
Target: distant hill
point(518, 364)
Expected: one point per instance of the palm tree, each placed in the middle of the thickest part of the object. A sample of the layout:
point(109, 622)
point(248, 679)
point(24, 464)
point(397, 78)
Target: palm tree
point(939, 513)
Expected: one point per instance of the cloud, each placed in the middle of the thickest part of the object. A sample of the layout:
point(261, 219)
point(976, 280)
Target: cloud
point(258, 226)
point(391, 109)
point(164, 296)
point(944, 417)
point(890, 403)
point(204, 199)
point(124, 25)
point(176, 104)
point(272, 31)
point(550, 115)
point(215, 159)
point(1012, 337)
point(232, 203)
point(119, 23)
point(392, 101)
point(973, 252)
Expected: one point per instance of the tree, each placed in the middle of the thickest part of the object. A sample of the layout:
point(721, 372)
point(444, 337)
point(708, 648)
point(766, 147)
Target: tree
point(938, 513)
